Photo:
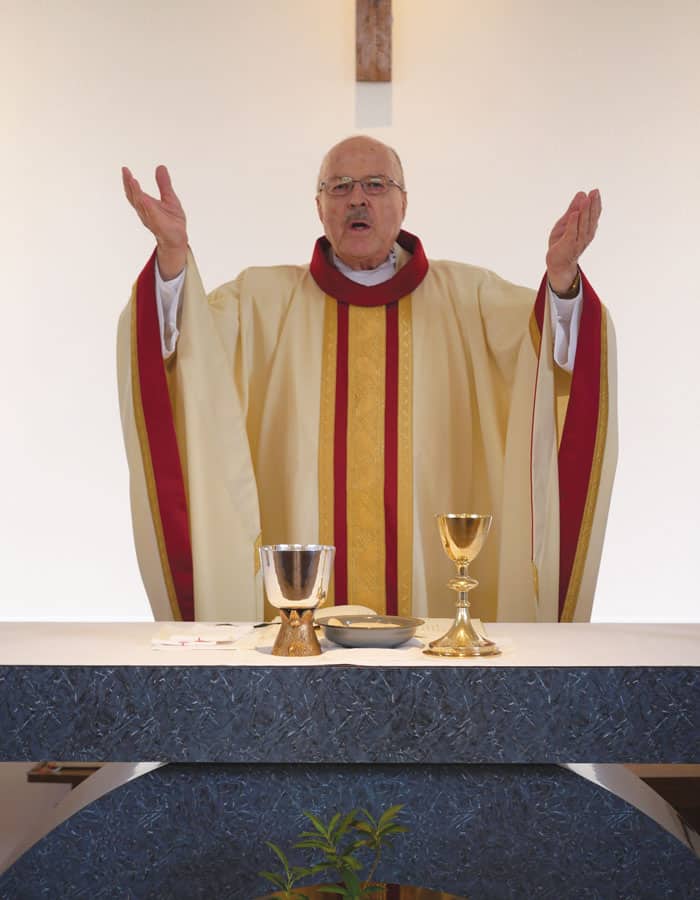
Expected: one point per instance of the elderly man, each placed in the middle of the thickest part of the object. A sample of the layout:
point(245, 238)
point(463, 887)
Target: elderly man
point(350, 400)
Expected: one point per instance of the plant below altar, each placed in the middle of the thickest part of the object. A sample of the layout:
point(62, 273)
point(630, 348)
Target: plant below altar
point(347, 850)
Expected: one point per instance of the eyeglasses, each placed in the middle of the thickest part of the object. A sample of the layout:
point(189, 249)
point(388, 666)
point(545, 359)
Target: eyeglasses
point(372, 185)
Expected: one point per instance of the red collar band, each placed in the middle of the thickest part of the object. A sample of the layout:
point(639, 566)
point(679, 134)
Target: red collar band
point(405, 281)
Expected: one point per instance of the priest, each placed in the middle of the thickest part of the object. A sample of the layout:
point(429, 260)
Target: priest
point(349, 400)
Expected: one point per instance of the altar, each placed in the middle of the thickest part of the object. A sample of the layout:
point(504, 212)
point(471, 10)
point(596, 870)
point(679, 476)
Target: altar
point(507, 767)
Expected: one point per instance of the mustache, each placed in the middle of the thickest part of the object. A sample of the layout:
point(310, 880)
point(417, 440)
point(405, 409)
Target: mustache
point(360, 214)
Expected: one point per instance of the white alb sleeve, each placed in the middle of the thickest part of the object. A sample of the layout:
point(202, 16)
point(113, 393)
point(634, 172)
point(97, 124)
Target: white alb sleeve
point(566, 319)
point(168, 297)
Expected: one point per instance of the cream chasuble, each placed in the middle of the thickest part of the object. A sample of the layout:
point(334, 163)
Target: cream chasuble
point(301, 407)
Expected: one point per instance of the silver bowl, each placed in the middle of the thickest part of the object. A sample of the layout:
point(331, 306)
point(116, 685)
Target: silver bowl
point(369, 631)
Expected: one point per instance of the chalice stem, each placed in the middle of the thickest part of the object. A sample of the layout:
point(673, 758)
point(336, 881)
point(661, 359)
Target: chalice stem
point(462, 627)
point(463, 595)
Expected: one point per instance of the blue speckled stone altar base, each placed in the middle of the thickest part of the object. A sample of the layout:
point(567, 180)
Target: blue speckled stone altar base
point(485, 832)
point(469, 749)
point(350, 714)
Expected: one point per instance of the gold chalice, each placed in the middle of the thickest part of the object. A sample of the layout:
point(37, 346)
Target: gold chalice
point(462, 536)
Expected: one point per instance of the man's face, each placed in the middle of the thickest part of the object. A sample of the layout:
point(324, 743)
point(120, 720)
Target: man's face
point(361, 229)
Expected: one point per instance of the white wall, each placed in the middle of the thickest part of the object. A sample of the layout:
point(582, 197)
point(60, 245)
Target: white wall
point(500, 110)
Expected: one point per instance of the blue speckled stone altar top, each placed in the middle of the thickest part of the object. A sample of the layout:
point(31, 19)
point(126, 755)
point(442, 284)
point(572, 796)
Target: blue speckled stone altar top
point(273, 738)
point(576, 693)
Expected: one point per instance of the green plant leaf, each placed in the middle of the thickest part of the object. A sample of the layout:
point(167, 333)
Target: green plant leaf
point(353, 846)
point(280, 853)
point(301, 872)
point(319, 867)
point(352, 883)
point(276, 879)
point(389, 814)
point(370, 818)
point(318, 825)
point(350, 862)
point(311, 844)
point(365, 842)
point(342, 844)
point(348, 822)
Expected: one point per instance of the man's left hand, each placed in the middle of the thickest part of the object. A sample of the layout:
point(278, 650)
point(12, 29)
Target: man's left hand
point(569, 238)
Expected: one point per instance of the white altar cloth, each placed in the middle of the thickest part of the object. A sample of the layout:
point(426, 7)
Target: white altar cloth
point(524, 644)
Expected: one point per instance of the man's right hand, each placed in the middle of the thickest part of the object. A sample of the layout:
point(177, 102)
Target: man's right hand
point(164, 218)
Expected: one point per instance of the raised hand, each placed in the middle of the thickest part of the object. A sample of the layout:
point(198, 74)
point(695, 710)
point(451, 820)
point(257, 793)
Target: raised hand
point(164, 218)
point(570, 236)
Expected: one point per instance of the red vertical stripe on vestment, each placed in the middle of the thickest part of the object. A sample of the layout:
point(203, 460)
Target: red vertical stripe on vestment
point(579, 435)
point(340, 456)
point(576, 450)
point(391, 457)
point(162, 443)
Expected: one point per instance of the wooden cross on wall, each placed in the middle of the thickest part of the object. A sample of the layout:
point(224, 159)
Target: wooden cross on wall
point(373, 40)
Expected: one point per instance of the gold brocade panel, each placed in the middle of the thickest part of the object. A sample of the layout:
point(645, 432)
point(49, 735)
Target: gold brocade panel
point(365, 456)
point(366, 463)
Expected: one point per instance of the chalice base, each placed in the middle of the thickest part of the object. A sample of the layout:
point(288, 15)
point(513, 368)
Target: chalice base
point(462, 640)
point(297, 636)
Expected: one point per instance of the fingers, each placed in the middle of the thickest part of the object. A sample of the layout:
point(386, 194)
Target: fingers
point(565, 228)
point(577, 203)
point(584, 221)
point(565, 246)
point(136, 197)
point(165, 185)
point(572, 233)
point(560, 226)
point(596, 209)
point(132, 189)
point(128, 181)
point(163, 217)
point(590, 213)
point(573, 227)
point(580, 221)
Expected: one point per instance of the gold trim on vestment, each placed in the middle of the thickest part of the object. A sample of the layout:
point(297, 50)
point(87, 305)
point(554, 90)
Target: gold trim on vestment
point(593, 482)
point(536, 581)
point(147, 461)
point(404, 511)
point(562, 394)
point(366, 553)
point(256, 554)
point(326, 432)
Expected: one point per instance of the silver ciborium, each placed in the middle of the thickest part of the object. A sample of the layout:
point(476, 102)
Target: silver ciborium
point(462, 536)
point(296, 578)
